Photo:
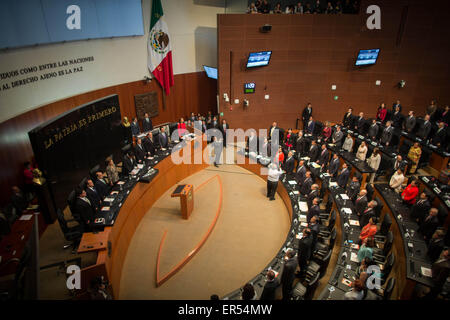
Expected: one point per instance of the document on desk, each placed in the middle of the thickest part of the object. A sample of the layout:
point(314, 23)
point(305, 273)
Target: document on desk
point(344, 196)
point(304, 224)
point(315, 165)
point(426, 271)
point(302, 218)
point(119, 183)
point(106, 208)
point(305, 158)
point(425, 179)
point(33, 207)
point(354, 257)
point(333, 184)
point(436, 189)
point(292, 182)
point(347, 210)
point(295, 192)
point(355, 246)
point(26, 217)
point(354, 222)
point(326, 174)
point(108, 199)
point(303, 206)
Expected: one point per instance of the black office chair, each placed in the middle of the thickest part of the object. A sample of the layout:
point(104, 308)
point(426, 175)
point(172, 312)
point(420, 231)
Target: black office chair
point(384, 228)
point(379, 207)
point(383, 248)
point(72, 234)
point(319, 264)
point(82, 184)
point(404, 148)
point(5, 227)
point(93, 171)
point(301, 292)
point(318, 127)
point(442, 214)
point(390, 261)
point(328, 225)
point(370, 191)
point(71, 203)
point(389, 288)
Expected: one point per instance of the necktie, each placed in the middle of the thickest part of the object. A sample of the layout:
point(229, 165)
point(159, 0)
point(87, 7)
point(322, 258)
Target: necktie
point(87, 200)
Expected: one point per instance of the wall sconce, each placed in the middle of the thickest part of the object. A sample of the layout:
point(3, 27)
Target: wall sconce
point(402, 84)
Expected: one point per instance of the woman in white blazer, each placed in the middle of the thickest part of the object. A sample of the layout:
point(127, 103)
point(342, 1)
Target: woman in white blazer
point(374, 162)
point(348, 143)
point(397, 181)
point(362, 151)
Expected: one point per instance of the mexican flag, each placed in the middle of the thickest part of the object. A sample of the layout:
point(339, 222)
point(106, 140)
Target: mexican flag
point(159, 48)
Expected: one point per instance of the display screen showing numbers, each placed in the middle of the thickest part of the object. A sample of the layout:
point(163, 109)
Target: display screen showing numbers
point(249, 87)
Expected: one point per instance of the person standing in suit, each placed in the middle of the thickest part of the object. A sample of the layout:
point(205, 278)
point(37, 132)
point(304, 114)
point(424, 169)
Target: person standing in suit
point(275, 133)
point(314, 210)
point(101, 185)
point(112, 172)
point(420, 209)
point(432, 108)
point(440, 137)
point(313, 151)
point(410, 122)
point(374, 162)
point(306, 114)
point(135, 129)
point(396, 105)
point(93, 195)
point(289, 164)
point(429, 224)
point(397, 118)
point(338, 137)
point(147, 124)
point(288, 275)
point(414, 154)
point(307, 183)
point(397, 180)
point(218, 146)
point(397, 163)
point(324, 156)
point(300, 146)
point(347, 121)
point(163, 138)
point(445, 116)
point(362, 151)
point(440, 271)
point(424, 129)
point(373, 130)
point(272, 180)
point(436, 245)
point(359, 123)
point(224, 128)
point(386, 135)
point(314, 193)
point(353, 188)
point(304, 251)
point(348, 143)
point(315, 229)
point(361, 203)
point(342, 178)
point(128, 163)
point(84, 209)
point(139, 151)
point(270, 286)
point(334, 165)
point(410, 193)
point(252, 143)
point(368, 213)
point(301, 172)
point(310, 125)
point(149, 145)
point(265, 148)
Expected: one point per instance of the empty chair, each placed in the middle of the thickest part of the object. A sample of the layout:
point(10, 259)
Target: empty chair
point(390, 261)
point(300, 292)
point(93, 172)
point(318, 265)
point(82, 184)
point(389, 288)
point(379, 207)
point(126, 148)
point(72, 234)
point(71, 202)
point(384, 228)
point(380, 253)
point(442, 213)
point(370, 191)
point(327, 227)
point(327, 242)
point(404, 148)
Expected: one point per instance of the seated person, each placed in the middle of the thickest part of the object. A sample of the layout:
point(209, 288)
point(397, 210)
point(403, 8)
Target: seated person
point(366, 249)
point(369, 230)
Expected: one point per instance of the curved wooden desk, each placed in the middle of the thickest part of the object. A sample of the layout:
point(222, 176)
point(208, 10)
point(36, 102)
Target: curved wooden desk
point(141, 198)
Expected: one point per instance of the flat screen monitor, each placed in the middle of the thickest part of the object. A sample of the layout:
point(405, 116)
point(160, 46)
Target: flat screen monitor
point(211, 72)
point(258, 59)
point(367, 57)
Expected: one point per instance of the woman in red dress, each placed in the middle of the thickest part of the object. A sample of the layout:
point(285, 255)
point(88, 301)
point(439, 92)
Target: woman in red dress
point(181, 126)
point(381, 114)
point(326, 132)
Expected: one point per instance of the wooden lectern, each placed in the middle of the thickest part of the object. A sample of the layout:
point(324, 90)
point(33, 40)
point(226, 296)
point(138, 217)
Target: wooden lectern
point(186, 194)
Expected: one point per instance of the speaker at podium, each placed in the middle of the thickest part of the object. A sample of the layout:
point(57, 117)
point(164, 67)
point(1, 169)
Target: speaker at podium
point(186, 194)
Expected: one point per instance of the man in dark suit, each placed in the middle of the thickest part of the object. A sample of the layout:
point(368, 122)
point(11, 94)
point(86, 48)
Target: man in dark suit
point(386, 135)
point(338, 137)
point(252, 143)
point(128, 163)
point(440, 138)
point(315, 229)
point(135, 130)
point(149, 145)
point(396, 163)
point(410, 122)
point(436, 245)
point(420, 209)
point(163, 138)
point(361, 203)
point(93, 195)
point(265, 148)
point(314, 210)
point(304, 250)
point(334, 165)
point(440, 271)
point(397, 118)
point(273, 130)
point(301, 172)
point(84, 210)
point(310, 126)
point(424, 129)
point(289, 163)
point(373, 130)
point(342, 178)
point(300, 147)
point(288, 275)
point(324, 156)
point(18, 200)
point(147, 124)
point(396, 105)
point(347, 121)
point(314, 193)
point(101, 185)
point(307, 183)
point(353, 188)
point(223, 128)
point(368, 213)
point(139, 151)
point(306, 114)
point(429, 224)
point(360, 122)
point(270, 287)
point(313, 153)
